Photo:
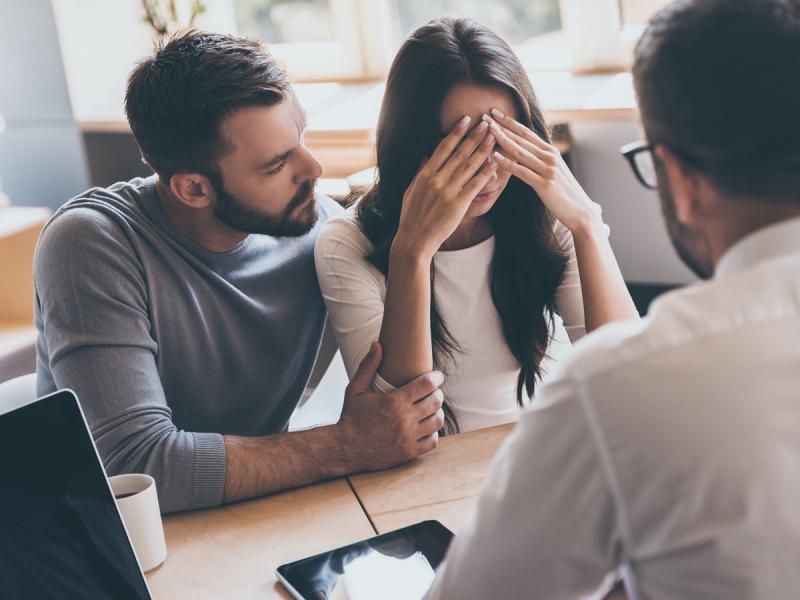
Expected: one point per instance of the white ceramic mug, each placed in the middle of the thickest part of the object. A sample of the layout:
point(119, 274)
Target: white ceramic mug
point(138, 504)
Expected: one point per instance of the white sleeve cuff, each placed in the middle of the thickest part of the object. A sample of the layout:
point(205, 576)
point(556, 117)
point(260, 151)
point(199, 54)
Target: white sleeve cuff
point(379, 384)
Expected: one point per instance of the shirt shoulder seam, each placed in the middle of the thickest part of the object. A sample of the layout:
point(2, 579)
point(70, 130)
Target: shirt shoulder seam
point(606, 465)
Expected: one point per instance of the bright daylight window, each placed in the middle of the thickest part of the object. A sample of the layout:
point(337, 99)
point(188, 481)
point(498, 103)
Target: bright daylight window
point(315, 38)
point(638, 12)
point(516, 20)
point(531, 27)
point(343, 38)
point(347, 39)
point(283, 22)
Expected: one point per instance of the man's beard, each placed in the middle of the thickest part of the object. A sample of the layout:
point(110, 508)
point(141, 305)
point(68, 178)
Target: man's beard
point(236, 214)
point(690, 244)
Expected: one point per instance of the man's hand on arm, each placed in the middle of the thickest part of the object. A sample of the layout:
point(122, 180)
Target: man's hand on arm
point(375, 431)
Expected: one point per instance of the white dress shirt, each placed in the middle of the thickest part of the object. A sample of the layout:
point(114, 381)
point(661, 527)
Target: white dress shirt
point(668, 447)
point(481, 383)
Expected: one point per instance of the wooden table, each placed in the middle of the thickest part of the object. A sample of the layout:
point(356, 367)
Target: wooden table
point(233, 551)
point(443, 485)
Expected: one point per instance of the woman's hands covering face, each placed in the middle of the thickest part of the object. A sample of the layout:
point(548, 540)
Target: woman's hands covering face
point(539, 164)
point(443, 189)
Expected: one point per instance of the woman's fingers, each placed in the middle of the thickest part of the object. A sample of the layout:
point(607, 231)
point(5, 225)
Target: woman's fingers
point(464, 150)
point(448, 145)
point(467, 169)
point(516, 152)
point(480, 179)
point(544, 156)
point(519, 129)
point(551, 159)
point(532, 178)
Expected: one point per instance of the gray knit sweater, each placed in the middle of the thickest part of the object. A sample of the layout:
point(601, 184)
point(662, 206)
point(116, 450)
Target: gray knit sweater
point(169, 346)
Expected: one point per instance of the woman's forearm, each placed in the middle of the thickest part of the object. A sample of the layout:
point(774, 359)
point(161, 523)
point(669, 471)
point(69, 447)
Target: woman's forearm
point(406, 328)
point(605, 295)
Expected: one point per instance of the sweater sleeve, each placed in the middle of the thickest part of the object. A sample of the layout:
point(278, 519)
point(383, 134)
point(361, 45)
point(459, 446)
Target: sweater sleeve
point(569, 296)
point(95, 330)
point(353, 289)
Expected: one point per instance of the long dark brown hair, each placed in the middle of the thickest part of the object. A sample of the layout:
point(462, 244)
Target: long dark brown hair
point(528, 264)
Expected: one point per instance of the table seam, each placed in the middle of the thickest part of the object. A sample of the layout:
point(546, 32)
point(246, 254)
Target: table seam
point(361, 504)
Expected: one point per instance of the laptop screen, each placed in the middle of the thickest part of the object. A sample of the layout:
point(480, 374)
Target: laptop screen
point(61, 535)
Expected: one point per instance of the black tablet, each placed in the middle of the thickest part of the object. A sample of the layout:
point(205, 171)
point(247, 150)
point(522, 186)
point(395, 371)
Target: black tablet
point(398, 564)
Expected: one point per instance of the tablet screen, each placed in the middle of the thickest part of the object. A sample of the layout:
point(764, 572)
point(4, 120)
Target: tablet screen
point(399, 564)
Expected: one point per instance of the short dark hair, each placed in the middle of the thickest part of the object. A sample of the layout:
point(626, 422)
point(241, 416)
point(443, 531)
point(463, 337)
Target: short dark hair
point(719, 82)
point(177, 98)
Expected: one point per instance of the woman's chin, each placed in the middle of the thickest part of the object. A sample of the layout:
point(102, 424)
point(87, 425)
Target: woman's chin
point(482, 203)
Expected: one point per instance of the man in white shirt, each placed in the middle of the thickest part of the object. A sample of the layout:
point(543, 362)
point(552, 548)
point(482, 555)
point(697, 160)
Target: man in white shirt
point(669, 449)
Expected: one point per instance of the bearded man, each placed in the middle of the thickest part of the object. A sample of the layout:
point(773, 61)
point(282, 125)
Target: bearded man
point(183, 309)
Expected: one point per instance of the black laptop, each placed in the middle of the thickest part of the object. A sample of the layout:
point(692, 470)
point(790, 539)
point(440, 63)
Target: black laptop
point(61, 535)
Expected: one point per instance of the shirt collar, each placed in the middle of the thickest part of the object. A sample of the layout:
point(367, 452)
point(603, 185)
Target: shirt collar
point(776, 240)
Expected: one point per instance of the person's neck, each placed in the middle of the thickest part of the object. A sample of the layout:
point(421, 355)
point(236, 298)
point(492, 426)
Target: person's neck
point(746, 218)
point(198, 224)
point(469, 233)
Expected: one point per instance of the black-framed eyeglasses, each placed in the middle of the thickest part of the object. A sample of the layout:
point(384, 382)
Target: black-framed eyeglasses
point(640, 157)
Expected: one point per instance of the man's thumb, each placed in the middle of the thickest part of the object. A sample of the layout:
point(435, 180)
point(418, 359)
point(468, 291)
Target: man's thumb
point(365, 374)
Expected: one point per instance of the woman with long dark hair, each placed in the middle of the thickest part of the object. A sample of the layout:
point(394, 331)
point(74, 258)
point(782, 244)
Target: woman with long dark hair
point(473, 237)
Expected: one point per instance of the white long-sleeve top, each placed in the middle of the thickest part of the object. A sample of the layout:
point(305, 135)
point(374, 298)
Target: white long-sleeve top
point(669, 447)
point(481, 383)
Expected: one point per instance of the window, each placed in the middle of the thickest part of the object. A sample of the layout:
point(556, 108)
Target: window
point(516, 20)
point(315, 38)
point(602, 33)
point(319, 39)
point(341, 40)
point(347, 39)
point(286, 22)
point(639, 12)
point(532, 27)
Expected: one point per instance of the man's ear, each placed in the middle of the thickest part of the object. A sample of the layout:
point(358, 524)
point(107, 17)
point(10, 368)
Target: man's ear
point(193, 189)
point(684, 184)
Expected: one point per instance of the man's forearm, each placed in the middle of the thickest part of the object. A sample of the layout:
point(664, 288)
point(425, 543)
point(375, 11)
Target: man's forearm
point(375, 431)
point(256, 466)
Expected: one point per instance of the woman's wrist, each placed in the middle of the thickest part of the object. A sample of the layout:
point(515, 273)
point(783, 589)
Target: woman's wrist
point(590, 227)
point(407, 253)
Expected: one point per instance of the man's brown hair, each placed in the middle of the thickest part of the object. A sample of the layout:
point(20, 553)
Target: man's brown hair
point(177, 98)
